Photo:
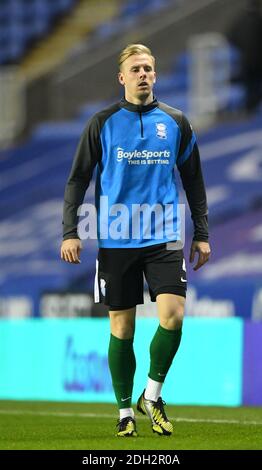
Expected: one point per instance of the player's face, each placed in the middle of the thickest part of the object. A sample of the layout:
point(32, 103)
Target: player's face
point(138, 77)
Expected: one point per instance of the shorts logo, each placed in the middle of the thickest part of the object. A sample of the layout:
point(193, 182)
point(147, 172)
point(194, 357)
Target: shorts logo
point(184, 269)
point(103, 287)
point(161, 130)
point(184, 265)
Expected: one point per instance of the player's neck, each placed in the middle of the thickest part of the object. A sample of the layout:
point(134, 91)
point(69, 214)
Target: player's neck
point(143, 101)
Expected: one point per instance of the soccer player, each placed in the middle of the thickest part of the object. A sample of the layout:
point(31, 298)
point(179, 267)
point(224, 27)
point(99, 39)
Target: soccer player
point(135, 145)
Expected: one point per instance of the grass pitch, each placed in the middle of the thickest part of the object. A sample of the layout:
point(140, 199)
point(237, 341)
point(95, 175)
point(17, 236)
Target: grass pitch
point(80, 426)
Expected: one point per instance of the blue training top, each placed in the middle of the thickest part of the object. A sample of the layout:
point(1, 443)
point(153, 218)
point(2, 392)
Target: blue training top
point(135, 150)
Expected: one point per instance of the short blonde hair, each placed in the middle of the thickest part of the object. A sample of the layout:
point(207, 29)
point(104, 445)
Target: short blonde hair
point(133, 49)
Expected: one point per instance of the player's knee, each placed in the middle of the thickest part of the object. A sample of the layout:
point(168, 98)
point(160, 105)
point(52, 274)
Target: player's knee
point(173, 322)
point(172, 319)
point(178, 319)
point(122, 332)
point(122, 329)
point(122, 323)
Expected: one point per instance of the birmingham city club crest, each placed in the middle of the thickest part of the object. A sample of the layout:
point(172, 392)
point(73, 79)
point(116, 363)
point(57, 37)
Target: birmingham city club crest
point(161, 130)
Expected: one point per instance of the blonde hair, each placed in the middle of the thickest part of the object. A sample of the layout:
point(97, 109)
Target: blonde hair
point(133, 49)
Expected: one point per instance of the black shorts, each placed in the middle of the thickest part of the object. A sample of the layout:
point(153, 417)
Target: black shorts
point(119, 281)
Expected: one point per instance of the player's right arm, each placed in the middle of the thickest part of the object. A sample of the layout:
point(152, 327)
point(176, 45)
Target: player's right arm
point(88, 154)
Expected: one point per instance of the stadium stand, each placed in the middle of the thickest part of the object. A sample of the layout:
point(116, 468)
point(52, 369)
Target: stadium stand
point(33, 177)
point(68, 33)
point(32, 183)
point(38, 35)
point(129, 12)
point(24, 21)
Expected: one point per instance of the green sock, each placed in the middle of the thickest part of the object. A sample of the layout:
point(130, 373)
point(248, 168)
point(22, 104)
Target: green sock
point(163, 348)
point(122, 365)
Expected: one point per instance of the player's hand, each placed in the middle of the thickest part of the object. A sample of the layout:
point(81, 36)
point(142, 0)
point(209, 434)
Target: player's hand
point(203, 250)
point(70, 250)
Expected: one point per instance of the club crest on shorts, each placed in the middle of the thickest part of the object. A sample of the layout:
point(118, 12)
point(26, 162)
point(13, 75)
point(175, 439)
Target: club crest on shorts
point(161, 130)
point(103, 287)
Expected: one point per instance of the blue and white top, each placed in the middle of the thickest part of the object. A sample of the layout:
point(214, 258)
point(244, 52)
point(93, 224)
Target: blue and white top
point(136, 150)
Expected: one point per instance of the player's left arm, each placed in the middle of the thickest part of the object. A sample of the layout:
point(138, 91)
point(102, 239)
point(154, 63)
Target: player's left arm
point(189, 165)
point(203, 250)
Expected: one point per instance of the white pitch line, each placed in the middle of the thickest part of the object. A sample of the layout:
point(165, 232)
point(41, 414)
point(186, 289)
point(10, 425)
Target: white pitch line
point(65, 414)
point(217, 421)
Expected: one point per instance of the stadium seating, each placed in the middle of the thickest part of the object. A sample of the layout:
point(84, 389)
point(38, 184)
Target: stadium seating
point(129, 12)
point(25, 21)
point(32, 184)
point(33, 176)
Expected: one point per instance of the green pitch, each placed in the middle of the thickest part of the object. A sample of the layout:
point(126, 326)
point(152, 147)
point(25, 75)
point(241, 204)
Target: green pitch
point(46, 425)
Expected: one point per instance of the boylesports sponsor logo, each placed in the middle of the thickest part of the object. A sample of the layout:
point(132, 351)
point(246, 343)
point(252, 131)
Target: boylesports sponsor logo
point(143, 154)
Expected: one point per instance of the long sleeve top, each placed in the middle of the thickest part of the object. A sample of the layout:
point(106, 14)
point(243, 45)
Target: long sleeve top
point(137, 151)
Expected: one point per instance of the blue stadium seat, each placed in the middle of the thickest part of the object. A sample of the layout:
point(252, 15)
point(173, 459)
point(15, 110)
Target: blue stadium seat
point(53, 8)
point(106, 30)
point(13, 39)
point(114, 26)
point(41, 8)
point(40, 26)
point(181, 63)
point(136, 7)
point(129, 8)
point(127, 17)
point(3, 55)
point(16, 50)
point(18, 32)
point(4, 34)
point(65, 5)
point(4, 14)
